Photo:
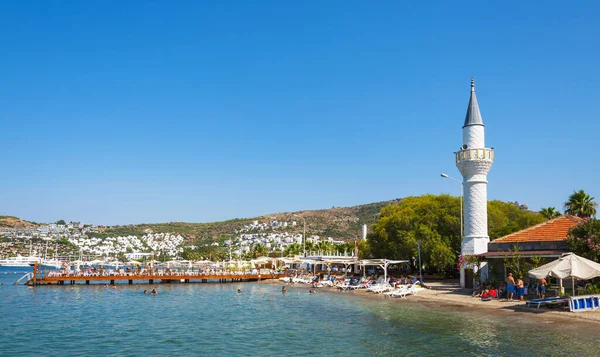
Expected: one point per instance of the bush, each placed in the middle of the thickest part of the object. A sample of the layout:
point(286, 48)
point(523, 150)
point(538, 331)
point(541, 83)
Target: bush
point(584, 239)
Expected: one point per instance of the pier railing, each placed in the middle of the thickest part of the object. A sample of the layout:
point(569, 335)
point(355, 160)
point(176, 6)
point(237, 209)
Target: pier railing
point(47, 276)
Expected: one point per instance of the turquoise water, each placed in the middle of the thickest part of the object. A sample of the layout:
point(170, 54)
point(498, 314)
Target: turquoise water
point(214, 320)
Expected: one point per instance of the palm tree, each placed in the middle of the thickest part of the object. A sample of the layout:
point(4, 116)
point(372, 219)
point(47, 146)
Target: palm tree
point(581, 204)
point(310, 246)
point(258, 250)
point(549, 212)
point(324, 247)
point(293, 249)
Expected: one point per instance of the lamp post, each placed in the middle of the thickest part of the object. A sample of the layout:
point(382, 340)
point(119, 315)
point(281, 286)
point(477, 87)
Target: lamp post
point(304, 234)
point(461, 201)
point(420, 272)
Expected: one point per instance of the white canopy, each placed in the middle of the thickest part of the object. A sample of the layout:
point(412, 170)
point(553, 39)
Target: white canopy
point(289, 260)
point(203, 262)
point(383, 263)
point(568, 266)
point(261, 260)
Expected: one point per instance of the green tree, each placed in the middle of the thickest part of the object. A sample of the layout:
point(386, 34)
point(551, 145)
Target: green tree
point(309, 246)
point(364, 250)
point(584, 239)
point(324, 247)
point(506, 218)
point(292, 249)
point(434, 221)
point(258, 250)
point(581, 204)
point(61, 221)
point(516, 263)
point(190, 254)
point(549, 212)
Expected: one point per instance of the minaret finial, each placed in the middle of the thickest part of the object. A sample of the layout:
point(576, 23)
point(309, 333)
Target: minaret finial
point(472, 84)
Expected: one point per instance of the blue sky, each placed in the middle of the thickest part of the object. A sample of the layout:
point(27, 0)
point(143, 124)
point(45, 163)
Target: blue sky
point(156, 111)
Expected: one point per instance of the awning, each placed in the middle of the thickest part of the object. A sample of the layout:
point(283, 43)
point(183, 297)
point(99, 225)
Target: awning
point(383, 263)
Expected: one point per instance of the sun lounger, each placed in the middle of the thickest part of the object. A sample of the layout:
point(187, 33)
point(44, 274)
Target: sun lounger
point(413, 290)
point(549, 302)
point(584, 303)
point(397, 292)
point(378, 289)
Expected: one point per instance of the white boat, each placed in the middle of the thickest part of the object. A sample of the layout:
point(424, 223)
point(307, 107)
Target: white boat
point(19, 261)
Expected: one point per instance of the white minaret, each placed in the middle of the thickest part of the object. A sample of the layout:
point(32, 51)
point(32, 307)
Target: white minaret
point(474, 161)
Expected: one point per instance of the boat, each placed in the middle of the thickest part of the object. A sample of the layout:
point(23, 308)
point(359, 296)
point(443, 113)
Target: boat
point(49, 263)
point(20, 261)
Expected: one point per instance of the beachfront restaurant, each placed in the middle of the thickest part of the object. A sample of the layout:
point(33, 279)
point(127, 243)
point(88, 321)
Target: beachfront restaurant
point(546, 240)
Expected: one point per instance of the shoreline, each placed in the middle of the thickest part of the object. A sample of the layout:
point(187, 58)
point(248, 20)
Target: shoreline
point(445, 295)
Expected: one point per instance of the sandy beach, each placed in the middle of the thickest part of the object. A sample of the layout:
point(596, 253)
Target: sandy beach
point(444, 294)
point(451, 294)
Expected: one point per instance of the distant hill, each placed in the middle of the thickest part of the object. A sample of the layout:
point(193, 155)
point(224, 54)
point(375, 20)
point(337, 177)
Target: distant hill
point(15, 222)
point(336, 222)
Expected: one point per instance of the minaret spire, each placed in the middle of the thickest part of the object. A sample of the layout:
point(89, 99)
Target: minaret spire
point(473, 116)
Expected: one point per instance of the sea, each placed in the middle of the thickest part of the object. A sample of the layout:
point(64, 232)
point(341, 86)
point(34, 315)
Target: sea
point(214, 319)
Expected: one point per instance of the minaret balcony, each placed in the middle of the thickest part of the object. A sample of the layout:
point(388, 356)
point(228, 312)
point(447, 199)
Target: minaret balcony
point(474, 155)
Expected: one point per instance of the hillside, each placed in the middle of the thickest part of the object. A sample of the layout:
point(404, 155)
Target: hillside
point(336, 222)
point(15, 222)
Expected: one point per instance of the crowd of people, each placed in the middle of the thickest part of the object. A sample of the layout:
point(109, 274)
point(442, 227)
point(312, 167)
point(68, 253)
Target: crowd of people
point(513, 289)
point(91, 271)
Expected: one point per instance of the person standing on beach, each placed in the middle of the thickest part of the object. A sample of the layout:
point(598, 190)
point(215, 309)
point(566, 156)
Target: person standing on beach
point(542, 283)
point(520, 289)
point(510, 286)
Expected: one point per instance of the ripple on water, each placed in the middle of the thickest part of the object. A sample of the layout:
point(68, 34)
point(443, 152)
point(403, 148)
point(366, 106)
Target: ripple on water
point(214, 320)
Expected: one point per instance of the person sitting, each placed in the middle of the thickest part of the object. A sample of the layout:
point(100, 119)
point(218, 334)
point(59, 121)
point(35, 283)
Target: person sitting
point(493, 292)
point(478, 293)
point(490, 294)
point(485, 295)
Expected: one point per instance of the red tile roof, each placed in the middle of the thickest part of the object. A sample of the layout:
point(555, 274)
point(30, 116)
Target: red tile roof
point(532, 253)
point(550, 231)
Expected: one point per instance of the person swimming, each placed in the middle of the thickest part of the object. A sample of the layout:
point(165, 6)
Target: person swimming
point(283, 289)
point(239, 291)
point(154, 292)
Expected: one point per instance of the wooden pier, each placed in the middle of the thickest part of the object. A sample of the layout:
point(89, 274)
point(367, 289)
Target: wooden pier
point(43, 277)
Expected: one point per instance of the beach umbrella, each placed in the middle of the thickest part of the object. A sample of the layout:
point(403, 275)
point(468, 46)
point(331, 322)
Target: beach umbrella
point(569, 266)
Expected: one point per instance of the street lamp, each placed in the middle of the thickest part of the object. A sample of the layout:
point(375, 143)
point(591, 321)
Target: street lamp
point(304, 235)
point(461, 201)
